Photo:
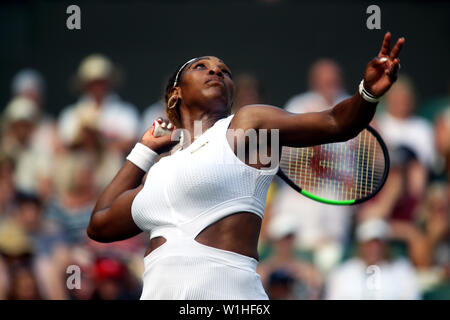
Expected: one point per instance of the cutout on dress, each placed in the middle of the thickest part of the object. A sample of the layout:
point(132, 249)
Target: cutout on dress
point(155, 243)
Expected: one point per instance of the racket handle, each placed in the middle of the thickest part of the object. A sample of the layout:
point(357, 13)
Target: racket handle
point(159, 131)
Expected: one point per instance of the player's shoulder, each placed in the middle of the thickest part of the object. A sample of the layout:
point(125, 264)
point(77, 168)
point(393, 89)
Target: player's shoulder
point(251, 116)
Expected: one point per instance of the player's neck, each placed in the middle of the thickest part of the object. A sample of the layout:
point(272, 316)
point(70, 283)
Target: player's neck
point(198, 121)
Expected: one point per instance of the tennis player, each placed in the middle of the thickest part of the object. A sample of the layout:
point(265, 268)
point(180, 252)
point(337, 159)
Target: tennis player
point(204, 217)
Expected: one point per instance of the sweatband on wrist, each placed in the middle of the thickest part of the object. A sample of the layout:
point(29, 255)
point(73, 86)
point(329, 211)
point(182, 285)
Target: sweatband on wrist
point(142, 156)
point(366, 95)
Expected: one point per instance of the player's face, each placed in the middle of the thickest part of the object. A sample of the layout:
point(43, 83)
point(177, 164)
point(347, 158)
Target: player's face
point(205, 81)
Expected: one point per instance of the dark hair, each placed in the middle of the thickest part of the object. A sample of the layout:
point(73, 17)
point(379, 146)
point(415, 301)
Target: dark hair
point(23, 197)
point(173, 114)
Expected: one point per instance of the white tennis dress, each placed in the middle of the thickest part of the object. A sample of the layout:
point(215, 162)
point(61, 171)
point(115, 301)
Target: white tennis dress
point(183, 194)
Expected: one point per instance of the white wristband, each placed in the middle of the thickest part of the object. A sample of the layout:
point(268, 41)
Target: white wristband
point(142, 156)
point(366, 95)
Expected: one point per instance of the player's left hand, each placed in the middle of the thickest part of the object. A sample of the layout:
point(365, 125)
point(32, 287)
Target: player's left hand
point(382, 71)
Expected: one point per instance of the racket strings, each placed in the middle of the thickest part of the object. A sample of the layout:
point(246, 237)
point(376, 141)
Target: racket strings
point(340, 171)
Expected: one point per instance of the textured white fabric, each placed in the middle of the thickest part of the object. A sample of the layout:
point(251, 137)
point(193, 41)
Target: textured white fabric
point(183, 194)
point(184, 269)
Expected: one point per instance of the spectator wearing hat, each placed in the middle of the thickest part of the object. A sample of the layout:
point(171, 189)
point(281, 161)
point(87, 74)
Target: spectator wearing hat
point(371, 274)
point(116, 120)
point(29, 136)
point(18, 124)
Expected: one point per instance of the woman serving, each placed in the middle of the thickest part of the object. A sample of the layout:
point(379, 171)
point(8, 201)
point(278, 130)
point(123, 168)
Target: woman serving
point(203, 205)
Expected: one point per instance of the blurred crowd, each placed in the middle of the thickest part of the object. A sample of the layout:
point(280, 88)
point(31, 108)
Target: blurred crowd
point(395, 246)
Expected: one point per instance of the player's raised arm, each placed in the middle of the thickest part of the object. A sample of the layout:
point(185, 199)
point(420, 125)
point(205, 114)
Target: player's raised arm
point(340, 123)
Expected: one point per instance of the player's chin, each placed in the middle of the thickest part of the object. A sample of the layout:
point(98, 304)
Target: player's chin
point(216, 93)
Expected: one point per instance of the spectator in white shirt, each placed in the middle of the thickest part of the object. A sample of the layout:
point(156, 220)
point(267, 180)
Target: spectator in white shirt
point(118, 121)
point(325, 89)
point(371, 275)
point(399, 126)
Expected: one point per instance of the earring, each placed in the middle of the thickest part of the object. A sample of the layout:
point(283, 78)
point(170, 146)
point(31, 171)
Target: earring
point(170, 105)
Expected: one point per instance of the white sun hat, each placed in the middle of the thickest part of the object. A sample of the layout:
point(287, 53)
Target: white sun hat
point(95, 67)
point(372, 229)
point(281, 225)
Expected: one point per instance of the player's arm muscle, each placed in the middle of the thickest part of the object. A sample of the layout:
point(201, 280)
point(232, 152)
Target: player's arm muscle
point(111, 218)
point(340, 123)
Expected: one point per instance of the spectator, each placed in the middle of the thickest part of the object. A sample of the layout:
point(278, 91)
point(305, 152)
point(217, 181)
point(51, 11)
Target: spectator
point(88, 143)
point(18, 125)
point(325, 89)
point(428, 241)
point(371, 274)
point(280, 285)
point(37, 133)
point(399, 126)
point(71, 208)
point(117, 120)
point(306, 280)
point(15, 248)
point(403, 192)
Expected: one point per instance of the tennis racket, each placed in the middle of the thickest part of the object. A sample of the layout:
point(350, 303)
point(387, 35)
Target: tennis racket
point(343, 173)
